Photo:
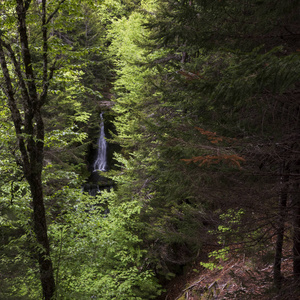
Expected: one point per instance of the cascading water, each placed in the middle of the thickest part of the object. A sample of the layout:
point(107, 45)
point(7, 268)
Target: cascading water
point(97, 181)
point(100, 163)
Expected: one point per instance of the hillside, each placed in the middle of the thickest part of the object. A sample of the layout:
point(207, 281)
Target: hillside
point(239, 277)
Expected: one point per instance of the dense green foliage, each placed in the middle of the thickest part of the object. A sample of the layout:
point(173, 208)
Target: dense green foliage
point(203, 101)
point(215, 85)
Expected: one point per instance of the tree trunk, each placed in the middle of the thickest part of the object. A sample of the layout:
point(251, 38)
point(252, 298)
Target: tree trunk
point(296, 227)
point(40, 230)
point(280, 229)
point(296, 240)
point(28, 123)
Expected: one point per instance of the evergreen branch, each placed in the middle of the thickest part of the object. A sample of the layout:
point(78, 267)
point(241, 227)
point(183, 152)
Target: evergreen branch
point(167, 59)
point(233, 159)
point(289, 31)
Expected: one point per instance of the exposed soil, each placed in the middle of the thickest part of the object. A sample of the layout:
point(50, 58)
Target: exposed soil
point(239, 277)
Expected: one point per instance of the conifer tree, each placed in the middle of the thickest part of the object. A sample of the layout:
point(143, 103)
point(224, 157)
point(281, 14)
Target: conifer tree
point(238, 74)
point(230, 72)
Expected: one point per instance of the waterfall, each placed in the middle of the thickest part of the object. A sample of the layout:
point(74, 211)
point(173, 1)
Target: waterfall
point(100, 163)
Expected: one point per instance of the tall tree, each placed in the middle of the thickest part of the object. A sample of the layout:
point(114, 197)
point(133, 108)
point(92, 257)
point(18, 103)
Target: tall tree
point(27, 74)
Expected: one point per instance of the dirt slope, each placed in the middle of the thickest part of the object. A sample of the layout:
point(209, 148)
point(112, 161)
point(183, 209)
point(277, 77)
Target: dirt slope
point(241, 277)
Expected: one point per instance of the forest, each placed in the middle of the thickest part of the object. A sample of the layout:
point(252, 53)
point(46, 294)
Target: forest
point(149, 149)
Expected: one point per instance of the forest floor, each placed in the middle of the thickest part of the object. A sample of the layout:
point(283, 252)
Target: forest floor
point(241, 277)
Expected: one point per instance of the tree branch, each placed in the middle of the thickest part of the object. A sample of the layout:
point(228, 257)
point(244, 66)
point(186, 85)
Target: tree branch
point(46, 77)
point(55, 11)
point(21, 12)
point(45, 52)
point(15, 113)
point(27, 4)
point(43, 96)
point(24, 91)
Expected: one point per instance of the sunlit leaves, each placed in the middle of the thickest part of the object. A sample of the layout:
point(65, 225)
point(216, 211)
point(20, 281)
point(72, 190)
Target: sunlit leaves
point(100, 251)
point(63, 138)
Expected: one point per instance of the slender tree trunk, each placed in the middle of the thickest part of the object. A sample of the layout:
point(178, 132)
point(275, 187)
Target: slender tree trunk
point(296, 240)
point(296, 227)
point(280, 230)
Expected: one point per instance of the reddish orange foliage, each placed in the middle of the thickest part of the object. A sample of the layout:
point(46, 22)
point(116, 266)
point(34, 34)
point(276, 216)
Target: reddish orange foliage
point(190, 75)
point(212, 136)
point(232, 159)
